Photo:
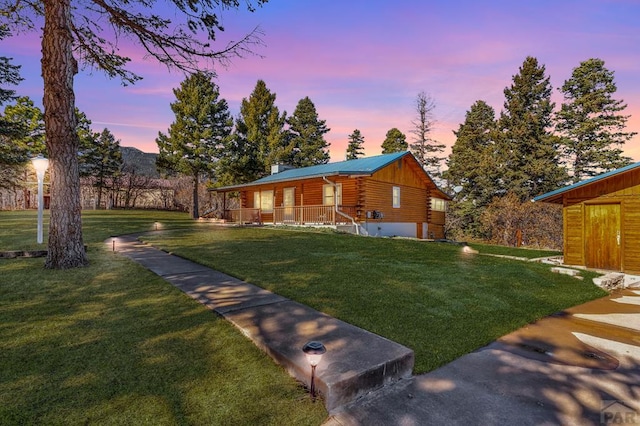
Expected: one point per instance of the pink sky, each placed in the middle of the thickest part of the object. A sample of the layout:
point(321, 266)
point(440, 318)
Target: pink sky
point(362, 63)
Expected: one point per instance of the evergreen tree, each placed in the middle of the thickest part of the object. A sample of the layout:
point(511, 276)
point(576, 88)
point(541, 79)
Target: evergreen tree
point(259, 140)
point(27, 136)
point(472, 170)
point(101, 159)
point(201, 129)
point(471, 165)
point(9, 129)
point(355, 148)
point(590, 121)
point(86, 137)
point(395, 141)
point(73, 37)
point(21, 138)
point(424, 148)
point(9, 74)
point(527, 152)
point(307, 135)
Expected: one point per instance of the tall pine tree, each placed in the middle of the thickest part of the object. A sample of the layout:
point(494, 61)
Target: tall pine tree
point(395, 141)
point(471, 165)
point(74, 35)
point(424, 147)
point(527, 150)
point(259, 139)
point(307, 135)
point(591, 122)
point(472, 170)
point(355, 148)
point(201, 128)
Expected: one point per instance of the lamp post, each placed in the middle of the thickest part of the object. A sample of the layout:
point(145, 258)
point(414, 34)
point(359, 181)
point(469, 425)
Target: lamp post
point(40, 164)
point(314, 351)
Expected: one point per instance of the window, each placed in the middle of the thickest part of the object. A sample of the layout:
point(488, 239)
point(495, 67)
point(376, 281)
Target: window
point(263, 201)
point(396, 197)
point(438, 205)
point(266, 201)
point(327, 194)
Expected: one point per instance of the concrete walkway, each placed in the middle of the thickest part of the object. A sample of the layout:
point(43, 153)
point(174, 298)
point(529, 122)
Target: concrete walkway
point(356, 361)
point(579, 367)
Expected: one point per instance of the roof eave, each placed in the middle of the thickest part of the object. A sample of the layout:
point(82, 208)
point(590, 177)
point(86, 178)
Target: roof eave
point(314, 176)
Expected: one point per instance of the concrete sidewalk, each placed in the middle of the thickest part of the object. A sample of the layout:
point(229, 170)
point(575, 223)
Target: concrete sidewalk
point(356, 361)
point(579, 367)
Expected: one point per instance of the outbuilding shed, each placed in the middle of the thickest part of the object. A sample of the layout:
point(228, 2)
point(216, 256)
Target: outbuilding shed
point(601, 219)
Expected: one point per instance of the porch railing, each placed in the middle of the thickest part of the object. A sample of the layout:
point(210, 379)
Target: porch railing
point(295, 215)
point(243, 216)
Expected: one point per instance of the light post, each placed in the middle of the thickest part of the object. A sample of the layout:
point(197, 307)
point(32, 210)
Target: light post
point(314, 351)
point(40, 164)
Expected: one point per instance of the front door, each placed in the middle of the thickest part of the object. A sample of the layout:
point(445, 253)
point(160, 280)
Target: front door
point(289, 201)
point(602, 236)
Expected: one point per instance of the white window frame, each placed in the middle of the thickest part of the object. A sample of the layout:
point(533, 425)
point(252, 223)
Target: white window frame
point(327, 194)
point(438, 205)
point(395, 197)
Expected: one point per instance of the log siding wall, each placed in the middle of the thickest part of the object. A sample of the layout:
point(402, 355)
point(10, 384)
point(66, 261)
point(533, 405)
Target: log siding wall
point(368, 193)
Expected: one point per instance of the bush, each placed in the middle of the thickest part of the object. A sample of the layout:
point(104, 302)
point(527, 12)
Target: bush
point(507, 221)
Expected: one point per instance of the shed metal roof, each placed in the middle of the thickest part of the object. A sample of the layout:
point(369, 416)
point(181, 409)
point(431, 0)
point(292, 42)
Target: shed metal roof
point(556, 196)
point(361, 166)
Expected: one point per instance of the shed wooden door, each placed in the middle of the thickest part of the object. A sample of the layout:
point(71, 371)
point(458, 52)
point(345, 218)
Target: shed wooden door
point(602, 236)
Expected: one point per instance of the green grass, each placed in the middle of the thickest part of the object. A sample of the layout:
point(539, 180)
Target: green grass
point(431, 297)
point(112, 343)
point(512, 251)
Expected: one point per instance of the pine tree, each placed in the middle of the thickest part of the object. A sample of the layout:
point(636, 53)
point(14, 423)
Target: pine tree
point(590, 121)
point(424, 148)
point(101, 159)
point(395, 141)
point(307, 135)
point(471, 165)
point(355, 148)
point(201, 129)
point(527, 152)
point(472, 170)
point(73, 37)
point(259, 139)
point(9, 73)
point(9, 129)
point(27, 137)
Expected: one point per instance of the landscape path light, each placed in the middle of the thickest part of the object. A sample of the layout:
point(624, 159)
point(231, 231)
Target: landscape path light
point(40, 164)
point(314, 351)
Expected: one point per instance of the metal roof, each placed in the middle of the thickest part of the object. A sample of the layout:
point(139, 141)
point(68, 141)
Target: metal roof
point(360, 166)
point(554, 195)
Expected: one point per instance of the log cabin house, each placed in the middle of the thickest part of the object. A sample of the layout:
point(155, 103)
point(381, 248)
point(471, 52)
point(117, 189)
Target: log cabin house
point(384, 195)
point(601, 220)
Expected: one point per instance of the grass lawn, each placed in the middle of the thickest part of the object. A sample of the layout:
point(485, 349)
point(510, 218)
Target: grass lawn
point(431, 297)
point(510, 251)
point(114, 344)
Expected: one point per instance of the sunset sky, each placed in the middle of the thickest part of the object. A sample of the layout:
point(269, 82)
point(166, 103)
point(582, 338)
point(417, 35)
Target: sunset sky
point(362, 63)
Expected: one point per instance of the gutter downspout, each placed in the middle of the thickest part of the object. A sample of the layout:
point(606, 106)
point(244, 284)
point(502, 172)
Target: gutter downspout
point(335, 205)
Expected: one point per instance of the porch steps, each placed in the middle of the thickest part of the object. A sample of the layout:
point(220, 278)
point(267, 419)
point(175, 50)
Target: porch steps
point(356, 362)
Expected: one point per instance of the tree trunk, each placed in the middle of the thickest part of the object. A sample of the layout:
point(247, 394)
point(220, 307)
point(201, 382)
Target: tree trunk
point(195, 214)
point(66, 248)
